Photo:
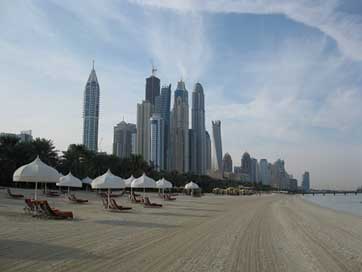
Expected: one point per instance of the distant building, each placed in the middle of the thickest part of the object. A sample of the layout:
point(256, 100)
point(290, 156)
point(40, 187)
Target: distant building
point(198, 161)
point(246, 165)
point(162, 107)
point(91, 112)
point(179, 130)
point(216, 147)
point(152, 88)
point(144, 112)
point(24, 136)
point(254, 170)
point(265, 174)
point(279, 176)
point(123, 139)
point(208, 151)
point(157, 142)
point(193, 151)
point(293, 185)
point(237, 170)
point(227, 163)
point(306, 182)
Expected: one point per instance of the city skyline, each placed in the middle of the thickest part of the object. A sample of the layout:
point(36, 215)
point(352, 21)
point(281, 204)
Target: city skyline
point(306, 112)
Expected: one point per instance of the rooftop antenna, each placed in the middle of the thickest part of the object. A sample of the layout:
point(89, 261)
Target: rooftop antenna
point(154, 70)
point(93, 65)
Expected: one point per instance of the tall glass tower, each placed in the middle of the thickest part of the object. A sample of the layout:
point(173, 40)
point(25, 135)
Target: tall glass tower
point(91, 112)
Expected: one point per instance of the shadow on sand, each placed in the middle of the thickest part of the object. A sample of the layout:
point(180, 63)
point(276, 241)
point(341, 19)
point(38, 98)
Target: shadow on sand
point(135, 224)
point(26, 250)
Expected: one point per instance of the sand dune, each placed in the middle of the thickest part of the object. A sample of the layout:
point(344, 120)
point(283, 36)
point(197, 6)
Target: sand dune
point(212, 233)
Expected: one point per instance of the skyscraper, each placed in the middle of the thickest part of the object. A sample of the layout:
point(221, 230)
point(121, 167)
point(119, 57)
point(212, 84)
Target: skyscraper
point(198, 161)
point(216, 147)
point(306, 182)
point(208, 151)
point(254, 169)
point(246, 165)
point(122, 139)
point(152, 87)
point(91, 112)
point(179, 131)
point(227, 163)
point(264, 172)
point(162, 107)
point(157, 144)
point(144, 112)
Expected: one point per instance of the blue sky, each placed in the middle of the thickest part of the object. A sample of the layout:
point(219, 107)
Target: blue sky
point(284, 77)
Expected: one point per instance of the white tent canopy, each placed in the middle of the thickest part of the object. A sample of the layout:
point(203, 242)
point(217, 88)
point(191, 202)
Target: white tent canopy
point(191, 185)
point(143, 182)
point(69, 181)
point(163, 184)
point(108, 181)
point(36, 171)
point(129, 181)
point(87, 180)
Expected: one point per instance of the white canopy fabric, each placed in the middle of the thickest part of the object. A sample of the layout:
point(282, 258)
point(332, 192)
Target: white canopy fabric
point(36, 171)
point(143, 182)
point(191, 185)
point(87, 180)
point(108, 181)
point(163, 184)
point(69, 181)
point(129, 181)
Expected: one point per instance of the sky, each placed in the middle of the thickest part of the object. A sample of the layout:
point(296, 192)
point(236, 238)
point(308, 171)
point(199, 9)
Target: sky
point(284, 77)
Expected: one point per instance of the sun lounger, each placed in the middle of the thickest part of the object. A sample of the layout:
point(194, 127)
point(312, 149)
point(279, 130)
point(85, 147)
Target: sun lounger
point(134, 199)
point(74, 199)
point(52, 194)
point(147, 204)
point(17, 196)
point(115, 206)
point(169, 197)
point(54, 213)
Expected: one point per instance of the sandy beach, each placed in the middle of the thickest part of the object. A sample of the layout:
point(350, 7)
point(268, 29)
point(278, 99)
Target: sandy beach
point(212, 233)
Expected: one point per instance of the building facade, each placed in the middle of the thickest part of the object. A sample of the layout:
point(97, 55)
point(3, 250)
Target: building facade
point(208, 151)
point(246, 165)
point(306, 182)
point(264, 167)
point(144, 111)
point(254, 170)
point(162, 107)
point(91, 112)
point(179, 130)
point(198, 160)
point(227, 164)
point(216, 147)
point(157, 142)
point(123, 137)
point(152, 88)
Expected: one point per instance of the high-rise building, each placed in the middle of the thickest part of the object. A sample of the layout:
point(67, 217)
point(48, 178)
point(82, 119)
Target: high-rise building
point(208, 151)
point(179, 130)
point(124, 134)
point(152, 88)
point(279, 176)
point(91, 112)
point(157, 141)
point(254, 170)
point(216, 147)
point(227, 163)
point(246, 165)
point(144, 112)
point(264, 172)
point(24, 136)
point(162, 107)
point(193, 151)
point(306, 182)
point(198, 161)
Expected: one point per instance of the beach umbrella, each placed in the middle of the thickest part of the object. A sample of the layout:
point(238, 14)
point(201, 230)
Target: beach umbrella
point(69, 181)
point(163, 184)
point(108, 181)
point(143, 182)
point(191, 186)
point(128, 181)
point(37, 172)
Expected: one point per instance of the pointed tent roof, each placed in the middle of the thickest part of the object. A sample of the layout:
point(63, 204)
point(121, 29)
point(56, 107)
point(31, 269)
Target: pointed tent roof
point(36, 171)
point(191, 185)
point(163, 184)
point(87, 180)
point(108, 181)
point(143, 182)
point(69, 181)
point(128, 181)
